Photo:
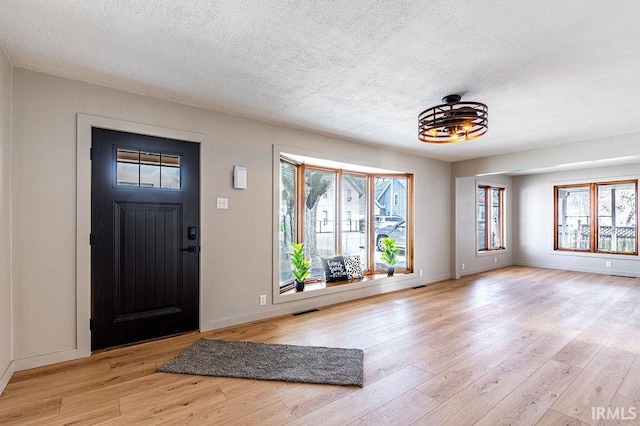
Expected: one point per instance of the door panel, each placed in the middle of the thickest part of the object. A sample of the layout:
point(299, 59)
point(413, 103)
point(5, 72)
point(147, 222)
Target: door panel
point(145, 284)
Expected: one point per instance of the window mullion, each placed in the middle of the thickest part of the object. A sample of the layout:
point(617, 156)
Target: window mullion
point(593, 228)
point(371, 223)
point(337, 226)
point(300, 185)
point(488, 223)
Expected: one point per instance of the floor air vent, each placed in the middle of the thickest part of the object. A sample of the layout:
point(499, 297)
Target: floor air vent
point(420, 286)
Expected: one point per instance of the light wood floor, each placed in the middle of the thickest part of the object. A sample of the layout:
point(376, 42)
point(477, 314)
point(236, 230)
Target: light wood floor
point(513, 346)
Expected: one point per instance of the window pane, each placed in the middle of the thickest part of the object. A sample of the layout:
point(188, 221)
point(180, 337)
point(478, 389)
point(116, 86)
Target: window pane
point(573, 218)
point(482, 209)
point(128, 168)
point(319, 219)
point(496, 218)
point(170, 171)
point(617, 218)
point(391, 212)
point(147, 169)
point(287, 227)
point(354, 213)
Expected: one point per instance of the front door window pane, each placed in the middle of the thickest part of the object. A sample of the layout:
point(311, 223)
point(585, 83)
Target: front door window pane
point(170, 171)
point(147, 169)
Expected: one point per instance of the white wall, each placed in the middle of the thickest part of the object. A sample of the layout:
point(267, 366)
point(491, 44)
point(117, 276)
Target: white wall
point(5, 221)
point(237, 261)
point(534, 213)
point(465, 226)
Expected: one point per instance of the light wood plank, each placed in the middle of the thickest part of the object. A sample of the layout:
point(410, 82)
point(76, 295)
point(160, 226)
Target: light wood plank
point(448, 383)
point(403, 410)
point(621, 411)
point(531, 400)
point(360, 403)
point(596, 385)
point(272, 415)
point(630, 386)
point(468, 405)
point(482, 335)
point(553, 418)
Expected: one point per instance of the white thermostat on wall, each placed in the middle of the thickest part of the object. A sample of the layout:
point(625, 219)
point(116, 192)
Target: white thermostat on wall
point(239, 177)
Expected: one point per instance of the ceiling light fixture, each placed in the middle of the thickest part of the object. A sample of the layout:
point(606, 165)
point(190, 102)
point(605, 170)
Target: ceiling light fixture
point(453, 121)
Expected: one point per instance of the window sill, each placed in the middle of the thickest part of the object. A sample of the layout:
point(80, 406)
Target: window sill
point(318, 285)
point(599, 254)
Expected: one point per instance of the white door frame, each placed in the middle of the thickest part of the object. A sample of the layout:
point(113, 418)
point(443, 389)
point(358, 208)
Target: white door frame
point(83, 208)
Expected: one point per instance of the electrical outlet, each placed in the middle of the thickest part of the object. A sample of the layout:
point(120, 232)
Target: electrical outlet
point(263, 299)
point(495, 260)
point(607, 263)
point(222, 203)
point(463, 266)
point(420, 272)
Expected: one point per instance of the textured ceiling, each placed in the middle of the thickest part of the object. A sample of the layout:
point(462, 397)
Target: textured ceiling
point(550, 71)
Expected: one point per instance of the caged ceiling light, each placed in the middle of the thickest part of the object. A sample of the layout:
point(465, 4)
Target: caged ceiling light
point(453, 121)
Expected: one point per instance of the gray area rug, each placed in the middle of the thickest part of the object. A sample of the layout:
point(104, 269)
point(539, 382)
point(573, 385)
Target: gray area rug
point(263, 361)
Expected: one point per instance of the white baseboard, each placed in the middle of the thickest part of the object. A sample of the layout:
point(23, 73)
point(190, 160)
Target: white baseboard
point(322, 300)
point(6, 376)
point(48, 359)
point(605, 271)
point(483, 269)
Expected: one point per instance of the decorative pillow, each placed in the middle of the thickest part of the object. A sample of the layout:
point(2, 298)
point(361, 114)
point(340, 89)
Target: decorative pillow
point(352, 265)
point(334, 269)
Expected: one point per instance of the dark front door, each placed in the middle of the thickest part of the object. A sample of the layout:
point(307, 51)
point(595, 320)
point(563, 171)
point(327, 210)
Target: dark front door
point(145, 237)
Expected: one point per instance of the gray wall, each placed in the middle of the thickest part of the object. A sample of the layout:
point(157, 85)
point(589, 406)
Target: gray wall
point(237, 243)
point(465, 227)
point(535, 172)
point(5, 221)
point(534, 212)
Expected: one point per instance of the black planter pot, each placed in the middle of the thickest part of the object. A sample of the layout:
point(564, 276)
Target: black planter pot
point(299, 286)
point(390, 271)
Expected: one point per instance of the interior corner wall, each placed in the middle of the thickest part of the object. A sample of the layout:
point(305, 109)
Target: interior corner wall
point(6, 356)
point(465, 226)
point(237, 265)
point(534, 213)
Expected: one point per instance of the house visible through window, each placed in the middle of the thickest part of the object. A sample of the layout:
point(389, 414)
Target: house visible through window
point(596, 217)
point(490, 219)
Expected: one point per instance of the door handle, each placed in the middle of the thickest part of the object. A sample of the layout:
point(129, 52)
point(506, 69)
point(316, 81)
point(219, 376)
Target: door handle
point(190, 249)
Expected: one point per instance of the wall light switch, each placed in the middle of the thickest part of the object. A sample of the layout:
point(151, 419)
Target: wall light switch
point(223, 203)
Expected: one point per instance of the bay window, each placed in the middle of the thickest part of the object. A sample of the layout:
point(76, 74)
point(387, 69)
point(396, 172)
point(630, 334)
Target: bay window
point(334, 211)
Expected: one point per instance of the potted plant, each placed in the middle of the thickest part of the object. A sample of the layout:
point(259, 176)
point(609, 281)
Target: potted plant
point(389, 254)
point(300, 266)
